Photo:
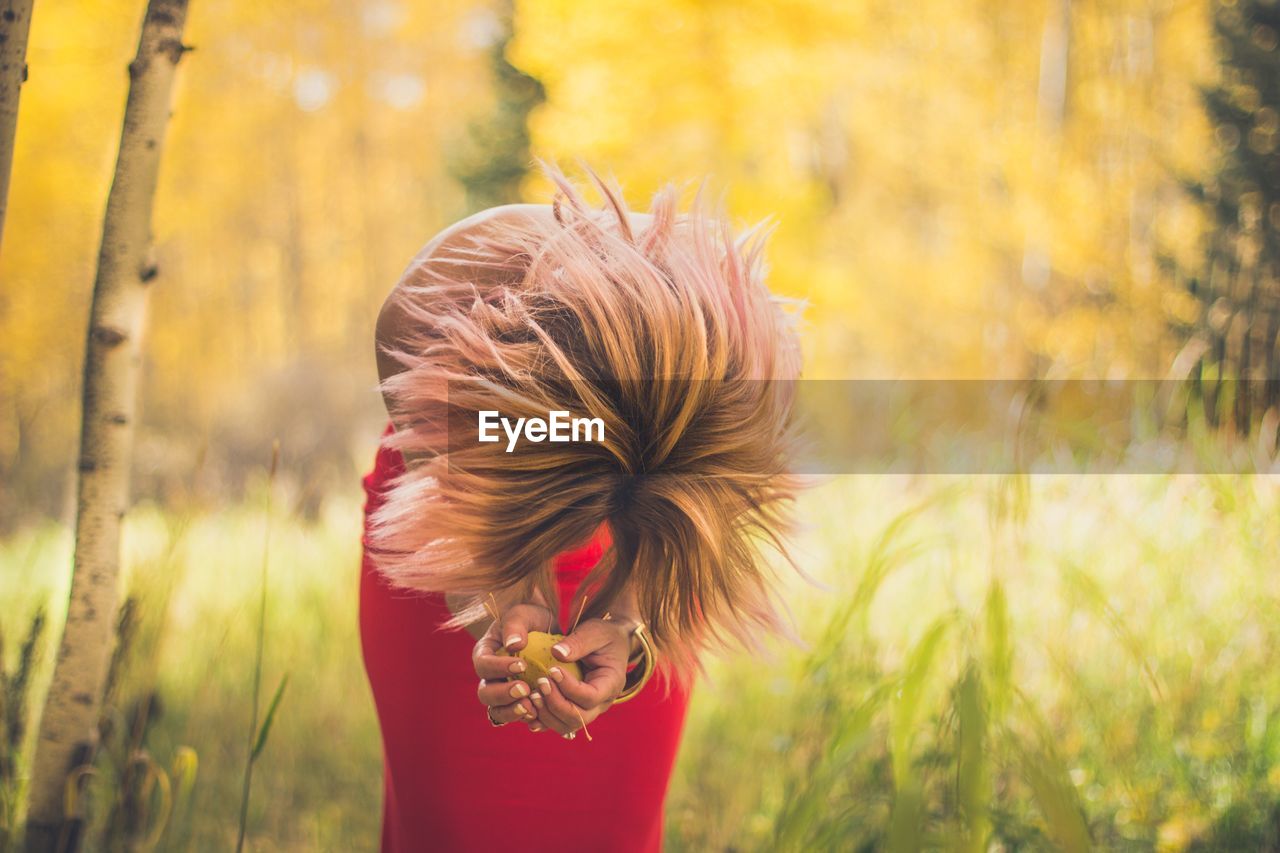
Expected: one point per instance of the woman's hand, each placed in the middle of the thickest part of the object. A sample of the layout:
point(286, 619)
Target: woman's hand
point(566, 704)
point(508, 700)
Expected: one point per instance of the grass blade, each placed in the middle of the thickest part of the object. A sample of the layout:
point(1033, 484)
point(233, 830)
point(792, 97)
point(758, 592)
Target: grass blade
point(267, 720)
point(973, 777)
point(911, 690)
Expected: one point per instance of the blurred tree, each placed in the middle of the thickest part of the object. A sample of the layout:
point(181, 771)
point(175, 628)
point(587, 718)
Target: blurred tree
point(305, 168)
point(975, 201)
point(495, 157)
point(1240, 285)
point(15, 24)
point(113, 356)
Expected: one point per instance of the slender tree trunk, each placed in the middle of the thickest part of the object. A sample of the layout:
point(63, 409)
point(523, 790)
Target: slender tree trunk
point(69, 726)
point(15, 23)
point(1051, 116)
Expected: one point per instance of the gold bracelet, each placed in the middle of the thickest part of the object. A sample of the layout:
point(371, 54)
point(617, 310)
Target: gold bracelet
point(647, 666)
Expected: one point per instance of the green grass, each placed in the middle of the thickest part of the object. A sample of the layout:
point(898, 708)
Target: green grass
point(1031, 663)
point(1062, 662)
point(317, 783)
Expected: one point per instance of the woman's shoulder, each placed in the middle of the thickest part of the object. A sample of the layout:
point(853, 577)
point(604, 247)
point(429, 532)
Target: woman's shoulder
point(387, 463)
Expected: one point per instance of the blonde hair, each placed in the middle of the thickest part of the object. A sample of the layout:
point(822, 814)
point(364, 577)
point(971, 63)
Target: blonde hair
point(670, 337)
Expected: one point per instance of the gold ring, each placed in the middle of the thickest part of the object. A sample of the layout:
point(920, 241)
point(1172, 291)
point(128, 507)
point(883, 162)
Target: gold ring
point(488, 712)
point(570, 735)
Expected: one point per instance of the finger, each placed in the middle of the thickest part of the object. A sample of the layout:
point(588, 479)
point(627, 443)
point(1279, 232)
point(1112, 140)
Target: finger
point(601, 685)
point(587, 638)
point(540, 708)
point(516, 624)
point(500, 692)
point(486, 645)
point(556, 706)
point(536, 726)
point(495, 666)
point(554, 722)
point(485, 658)
point(520, 711)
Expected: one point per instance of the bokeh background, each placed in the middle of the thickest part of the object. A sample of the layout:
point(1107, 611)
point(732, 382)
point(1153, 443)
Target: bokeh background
point(963, 189)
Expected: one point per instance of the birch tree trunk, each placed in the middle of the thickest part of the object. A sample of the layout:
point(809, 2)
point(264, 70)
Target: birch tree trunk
point(15, 23)
point(69, 726)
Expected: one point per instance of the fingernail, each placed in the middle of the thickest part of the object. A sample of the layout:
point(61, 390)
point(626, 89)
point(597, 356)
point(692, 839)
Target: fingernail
point(537, 698)
point(562, 649)
point(520, 711)
point(536, 727)
point(517, 666)
point(556, 674)
point(513, 639)
point(519, 689)
point(544, 684)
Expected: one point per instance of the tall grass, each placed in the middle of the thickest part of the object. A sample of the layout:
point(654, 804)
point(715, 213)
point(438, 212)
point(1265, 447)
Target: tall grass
point(1069, 662)
point(15, 702)
point(196, 581)
point(258, 733)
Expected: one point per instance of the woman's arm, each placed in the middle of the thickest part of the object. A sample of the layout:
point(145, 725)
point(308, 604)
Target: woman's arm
point(624, 613)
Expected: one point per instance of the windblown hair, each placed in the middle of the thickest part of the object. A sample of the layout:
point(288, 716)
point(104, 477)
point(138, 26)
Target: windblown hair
point(668, 334)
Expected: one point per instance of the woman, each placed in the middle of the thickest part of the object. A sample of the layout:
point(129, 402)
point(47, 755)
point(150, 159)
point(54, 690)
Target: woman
point(638, 542)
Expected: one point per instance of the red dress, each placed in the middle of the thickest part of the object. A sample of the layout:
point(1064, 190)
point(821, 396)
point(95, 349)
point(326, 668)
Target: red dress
point(453, 782)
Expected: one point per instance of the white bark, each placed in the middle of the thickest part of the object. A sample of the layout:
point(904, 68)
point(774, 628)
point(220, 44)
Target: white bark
point(15, 23)
point(68, 727)
point(1051, 114)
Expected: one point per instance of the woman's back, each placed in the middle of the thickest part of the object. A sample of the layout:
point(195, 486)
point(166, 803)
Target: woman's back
point(453, 782)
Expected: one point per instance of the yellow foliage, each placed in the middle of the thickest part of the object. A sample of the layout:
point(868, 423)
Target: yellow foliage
point(930, 184)
point(962, 189)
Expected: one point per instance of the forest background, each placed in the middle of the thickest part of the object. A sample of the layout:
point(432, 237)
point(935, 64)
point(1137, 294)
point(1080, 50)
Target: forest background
point(962, 190)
